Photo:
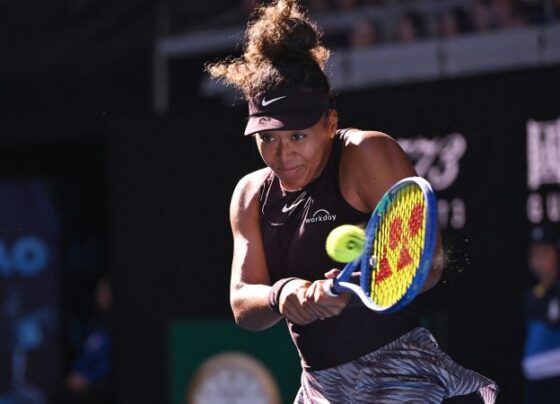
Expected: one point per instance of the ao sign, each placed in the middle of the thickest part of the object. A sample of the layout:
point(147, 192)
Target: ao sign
point(26, 256)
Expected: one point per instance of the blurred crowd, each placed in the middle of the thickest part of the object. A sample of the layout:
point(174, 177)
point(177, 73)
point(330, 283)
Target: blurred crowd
point(375, 21)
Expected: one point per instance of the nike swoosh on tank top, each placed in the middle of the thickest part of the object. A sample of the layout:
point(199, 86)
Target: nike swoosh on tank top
point(294, 228)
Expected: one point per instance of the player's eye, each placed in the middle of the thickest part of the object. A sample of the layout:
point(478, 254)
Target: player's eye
point(265, 138)
point(298, 136)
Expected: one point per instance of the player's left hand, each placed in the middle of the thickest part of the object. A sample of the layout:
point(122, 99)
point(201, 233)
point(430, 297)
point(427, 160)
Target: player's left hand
point(330, 306)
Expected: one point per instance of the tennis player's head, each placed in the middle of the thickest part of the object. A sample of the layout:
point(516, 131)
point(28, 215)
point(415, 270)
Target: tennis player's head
point(281, 74)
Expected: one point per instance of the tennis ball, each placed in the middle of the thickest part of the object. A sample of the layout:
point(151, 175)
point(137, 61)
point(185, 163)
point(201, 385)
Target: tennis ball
point(345, 243)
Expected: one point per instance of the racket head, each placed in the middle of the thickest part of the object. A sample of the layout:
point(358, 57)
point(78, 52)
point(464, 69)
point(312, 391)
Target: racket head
point(401, 236)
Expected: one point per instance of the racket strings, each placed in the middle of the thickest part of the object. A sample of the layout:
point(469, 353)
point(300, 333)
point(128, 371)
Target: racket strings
point(398, 246)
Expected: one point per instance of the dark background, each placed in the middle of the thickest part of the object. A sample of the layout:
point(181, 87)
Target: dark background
point(75, 108)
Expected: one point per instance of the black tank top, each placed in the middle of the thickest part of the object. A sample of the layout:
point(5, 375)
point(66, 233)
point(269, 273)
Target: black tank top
point(294, 228)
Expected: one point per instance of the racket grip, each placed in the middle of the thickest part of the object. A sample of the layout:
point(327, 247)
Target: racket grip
point(328, 288)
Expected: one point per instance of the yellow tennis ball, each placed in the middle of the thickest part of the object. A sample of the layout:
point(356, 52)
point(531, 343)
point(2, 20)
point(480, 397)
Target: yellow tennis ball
point(345, 243)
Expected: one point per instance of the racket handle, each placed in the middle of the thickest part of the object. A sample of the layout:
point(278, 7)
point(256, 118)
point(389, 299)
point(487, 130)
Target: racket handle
point(332, 288)
point(329, 288)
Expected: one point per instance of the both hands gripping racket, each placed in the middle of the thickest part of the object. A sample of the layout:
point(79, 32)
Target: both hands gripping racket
point(400, 241)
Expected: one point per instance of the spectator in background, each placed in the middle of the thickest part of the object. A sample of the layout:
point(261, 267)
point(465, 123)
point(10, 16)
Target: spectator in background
point(454, 21)
point(90, 380)
point(536, 11)
point(318, 6)
point(364, 33)
point(507, 14)
point(497, 14)
point(410, 27)
point(482, 16)
point(541, 361)
point(345, 5)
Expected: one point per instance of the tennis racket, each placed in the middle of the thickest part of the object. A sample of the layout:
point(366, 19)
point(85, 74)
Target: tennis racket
point(400, 240)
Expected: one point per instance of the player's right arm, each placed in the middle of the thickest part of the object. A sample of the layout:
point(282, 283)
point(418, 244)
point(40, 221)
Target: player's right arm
point(250, 280)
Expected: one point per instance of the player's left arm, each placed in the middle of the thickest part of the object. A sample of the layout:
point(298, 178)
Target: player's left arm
point(373, 162)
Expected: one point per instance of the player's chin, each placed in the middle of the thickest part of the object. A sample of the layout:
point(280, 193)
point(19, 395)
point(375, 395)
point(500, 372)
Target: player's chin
point(293, 178)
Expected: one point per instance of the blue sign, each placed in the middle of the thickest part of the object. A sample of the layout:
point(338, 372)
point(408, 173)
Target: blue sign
point(28, 291)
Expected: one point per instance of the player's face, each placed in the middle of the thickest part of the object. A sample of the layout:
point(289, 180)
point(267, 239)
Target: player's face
point(544, 262)
point(298, 157)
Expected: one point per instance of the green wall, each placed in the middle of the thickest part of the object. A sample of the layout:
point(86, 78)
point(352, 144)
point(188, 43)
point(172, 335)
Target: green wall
point(193, 341)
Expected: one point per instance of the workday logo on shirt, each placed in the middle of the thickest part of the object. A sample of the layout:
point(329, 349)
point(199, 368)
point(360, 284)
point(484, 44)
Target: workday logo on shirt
point(321, 215)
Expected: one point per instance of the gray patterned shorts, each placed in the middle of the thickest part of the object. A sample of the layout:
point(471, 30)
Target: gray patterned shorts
point(411, 369)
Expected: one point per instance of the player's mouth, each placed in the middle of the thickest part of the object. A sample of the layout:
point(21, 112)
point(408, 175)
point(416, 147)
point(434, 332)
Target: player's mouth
point(290, 171)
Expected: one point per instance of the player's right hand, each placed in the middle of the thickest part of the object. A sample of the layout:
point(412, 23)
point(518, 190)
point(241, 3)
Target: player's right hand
point(294, 305)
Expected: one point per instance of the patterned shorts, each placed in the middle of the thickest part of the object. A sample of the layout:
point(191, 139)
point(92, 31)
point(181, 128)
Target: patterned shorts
point(411, 369)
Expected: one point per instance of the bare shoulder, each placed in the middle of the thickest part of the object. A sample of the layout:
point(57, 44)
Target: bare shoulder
point(246, 192)
point(370, 163)
point(367, 142)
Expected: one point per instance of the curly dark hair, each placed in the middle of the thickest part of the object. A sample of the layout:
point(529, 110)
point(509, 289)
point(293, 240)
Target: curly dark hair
point(283, 49)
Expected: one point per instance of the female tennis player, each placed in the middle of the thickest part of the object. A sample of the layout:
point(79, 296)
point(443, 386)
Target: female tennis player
point(318, 177)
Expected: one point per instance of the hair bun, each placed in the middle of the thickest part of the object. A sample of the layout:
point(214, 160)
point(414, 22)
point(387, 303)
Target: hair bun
point(282, 48)
point(283, 33)
point(294, 39)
